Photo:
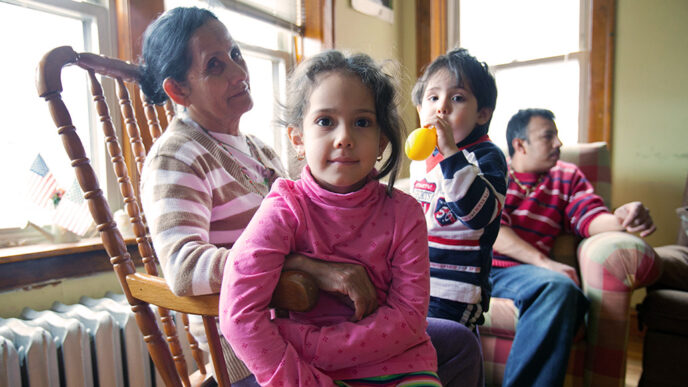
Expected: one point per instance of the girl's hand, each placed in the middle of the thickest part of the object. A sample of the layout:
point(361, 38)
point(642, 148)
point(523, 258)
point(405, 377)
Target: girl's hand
point(445, 135)
point(346, 279)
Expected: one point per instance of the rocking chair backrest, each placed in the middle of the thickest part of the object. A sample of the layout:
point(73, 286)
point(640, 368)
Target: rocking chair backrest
point(139, 289)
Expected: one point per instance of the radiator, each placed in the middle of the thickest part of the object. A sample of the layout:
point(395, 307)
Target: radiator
point(93, 343)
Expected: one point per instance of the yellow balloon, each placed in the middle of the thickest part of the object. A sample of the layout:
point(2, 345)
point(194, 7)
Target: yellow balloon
point(420, 143)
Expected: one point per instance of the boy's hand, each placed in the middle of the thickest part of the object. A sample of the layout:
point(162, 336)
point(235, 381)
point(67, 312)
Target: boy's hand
point(445, 135)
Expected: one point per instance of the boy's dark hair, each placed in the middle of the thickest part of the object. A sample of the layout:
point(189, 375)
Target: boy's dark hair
point(468, 71)
point(518, 125)
point(165, 49)
point(303, 80)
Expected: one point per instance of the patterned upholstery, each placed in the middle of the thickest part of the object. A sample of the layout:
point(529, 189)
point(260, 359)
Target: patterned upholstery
point(611, 266)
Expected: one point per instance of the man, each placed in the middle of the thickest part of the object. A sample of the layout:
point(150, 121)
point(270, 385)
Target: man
point(546, 196)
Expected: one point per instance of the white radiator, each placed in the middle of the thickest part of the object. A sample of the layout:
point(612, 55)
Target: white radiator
point(93, 343)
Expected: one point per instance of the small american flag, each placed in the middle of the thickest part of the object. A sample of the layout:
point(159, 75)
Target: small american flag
point(72, 212)
point(42, 185)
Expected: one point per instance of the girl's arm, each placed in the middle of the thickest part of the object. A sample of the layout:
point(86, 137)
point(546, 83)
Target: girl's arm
point(474, 185)
point(350, 280)
point(395, 326)
point(250, 277)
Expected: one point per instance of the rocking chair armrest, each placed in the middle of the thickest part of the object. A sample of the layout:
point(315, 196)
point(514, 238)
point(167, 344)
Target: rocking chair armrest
point(296, 291)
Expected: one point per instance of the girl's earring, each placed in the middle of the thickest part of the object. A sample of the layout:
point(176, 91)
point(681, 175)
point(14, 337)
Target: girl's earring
point(379, 158)
point(300, 156)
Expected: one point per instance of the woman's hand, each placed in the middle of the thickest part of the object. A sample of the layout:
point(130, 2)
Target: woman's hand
point(346, 279)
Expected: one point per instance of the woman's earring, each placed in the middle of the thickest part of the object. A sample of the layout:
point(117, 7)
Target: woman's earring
point(379, 158)
point(300, 156)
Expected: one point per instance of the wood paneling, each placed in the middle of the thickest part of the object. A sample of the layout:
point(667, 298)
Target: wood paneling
point(431, 31)
point(133, 16)
point(602, 30)
point(319, 23)
point(78, 260)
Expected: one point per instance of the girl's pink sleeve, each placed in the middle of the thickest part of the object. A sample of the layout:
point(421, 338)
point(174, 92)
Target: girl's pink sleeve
point(251, 274)
point(396, 326)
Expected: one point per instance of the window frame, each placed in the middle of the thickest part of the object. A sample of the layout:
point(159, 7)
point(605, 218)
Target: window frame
point(600, 21)
point(128, 21)
point(102, 20)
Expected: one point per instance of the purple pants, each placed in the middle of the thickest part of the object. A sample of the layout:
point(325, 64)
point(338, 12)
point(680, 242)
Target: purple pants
point(459, 355)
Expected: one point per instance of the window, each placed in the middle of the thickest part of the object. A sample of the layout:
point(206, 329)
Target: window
point(538, 51)
point(266, 36)
point(30, 29)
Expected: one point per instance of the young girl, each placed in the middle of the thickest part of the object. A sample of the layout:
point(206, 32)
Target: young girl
point(340, 116)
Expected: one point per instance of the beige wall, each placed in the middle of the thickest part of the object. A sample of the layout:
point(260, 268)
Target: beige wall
point(357, 32)
point(650, 121)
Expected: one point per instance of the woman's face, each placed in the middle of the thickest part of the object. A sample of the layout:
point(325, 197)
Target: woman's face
point(217, 83)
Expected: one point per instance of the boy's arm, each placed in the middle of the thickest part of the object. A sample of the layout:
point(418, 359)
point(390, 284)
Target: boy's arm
point(394, 327)
point(474, 188)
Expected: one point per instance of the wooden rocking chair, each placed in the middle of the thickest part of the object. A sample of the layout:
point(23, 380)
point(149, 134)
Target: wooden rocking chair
point(296, 290)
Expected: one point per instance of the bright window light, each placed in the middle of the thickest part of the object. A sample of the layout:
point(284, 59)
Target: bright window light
point(29, 129)
point(536, 49)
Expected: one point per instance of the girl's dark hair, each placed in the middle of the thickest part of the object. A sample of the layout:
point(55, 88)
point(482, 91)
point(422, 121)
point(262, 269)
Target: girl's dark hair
point(303, 80)
point(165, 49)
point(466, 69)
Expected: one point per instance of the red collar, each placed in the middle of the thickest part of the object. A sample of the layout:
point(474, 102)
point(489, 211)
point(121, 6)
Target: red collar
point(437, 157)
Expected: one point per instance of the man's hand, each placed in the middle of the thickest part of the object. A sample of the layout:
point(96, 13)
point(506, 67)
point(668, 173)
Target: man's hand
point(349, 280)
point(512, 245)
point(635, 217)
point(559, 267)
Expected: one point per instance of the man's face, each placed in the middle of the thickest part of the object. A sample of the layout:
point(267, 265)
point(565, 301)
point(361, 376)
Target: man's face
point(540, 151)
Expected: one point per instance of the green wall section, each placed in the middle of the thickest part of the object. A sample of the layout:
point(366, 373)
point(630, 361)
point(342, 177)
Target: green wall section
point(650, 113)
point(356, 32)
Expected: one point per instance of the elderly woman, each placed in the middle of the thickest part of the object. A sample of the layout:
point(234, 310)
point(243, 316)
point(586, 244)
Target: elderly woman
point(203, 180)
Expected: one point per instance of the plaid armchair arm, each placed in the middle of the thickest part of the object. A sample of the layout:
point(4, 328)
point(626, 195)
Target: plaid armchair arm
point(612, 265)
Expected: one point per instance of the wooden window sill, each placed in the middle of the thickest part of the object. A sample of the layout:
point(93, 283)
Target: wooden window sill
point(37, 265)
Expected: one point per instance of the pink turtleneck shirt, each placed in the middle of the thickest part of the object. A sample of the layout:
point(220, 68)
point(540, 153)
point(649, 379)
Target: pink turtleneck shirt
point(387, 235)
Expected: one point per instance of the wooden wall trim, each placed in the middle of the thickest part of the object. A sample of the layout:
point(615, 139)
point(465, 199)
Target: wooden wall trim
point(431, 31)
point(319, 21)
point(438, 28)
point(602, 46)
point(133, 16)
point(78, 261)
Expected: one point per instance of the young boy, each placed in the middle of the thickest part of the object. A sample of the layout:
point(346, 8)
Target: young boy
point(461, 186)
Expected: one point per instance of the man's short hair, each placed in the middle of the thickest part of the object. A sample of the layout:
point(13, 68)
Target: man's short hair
point(518, 125)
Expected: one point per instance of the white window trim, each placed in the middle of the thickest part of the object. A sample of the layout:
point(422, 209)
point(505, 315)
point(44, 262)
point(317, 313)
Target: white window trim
point(583, 57)
point(105, 21)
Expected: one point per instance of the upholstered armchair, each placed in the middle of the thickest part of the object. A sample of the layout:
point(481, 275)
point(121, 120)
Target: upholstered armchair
point(611, 265)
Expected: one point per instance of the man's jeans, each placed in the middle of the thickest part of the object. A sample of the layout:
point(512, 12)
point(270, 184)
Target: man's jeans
point(551, 308)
